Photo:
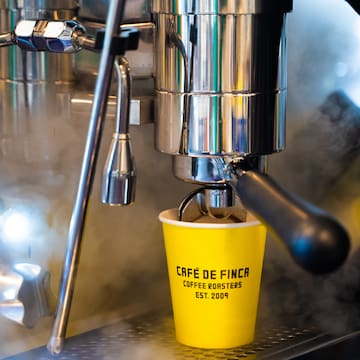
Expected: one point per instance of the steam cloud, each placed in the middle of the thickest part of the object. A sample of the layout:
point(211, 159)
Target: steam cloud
point(320, 164)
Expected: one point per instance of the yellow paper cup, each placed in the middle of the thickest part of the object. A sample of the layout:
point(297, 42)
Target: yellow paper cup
point(215, 273)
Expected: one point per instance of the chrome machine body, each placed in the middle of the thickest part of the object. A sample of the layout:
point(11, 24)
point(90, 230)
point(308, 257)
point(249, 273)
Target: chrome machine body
point(220, 92)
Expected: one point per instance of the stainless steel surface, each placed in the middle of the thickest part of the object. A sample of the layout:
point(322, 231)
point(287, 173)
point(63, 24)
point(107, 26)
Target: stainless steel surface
point(76, 228)
point(25, 294)
point(241, 130)
point(28, 112)
point(97, 9)
point(152, 337)
point(18, 65)
point(211, 169)
point(39, 9)
point(223, 7)
point(200, 170)
point(42, 4)
point(233, 104)
point(141, 108)
point(44, 9)
point(119, 175)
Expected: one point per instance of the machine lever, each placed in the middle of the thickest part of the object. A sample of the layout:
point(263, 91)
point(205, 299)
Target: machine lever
point(316, 241)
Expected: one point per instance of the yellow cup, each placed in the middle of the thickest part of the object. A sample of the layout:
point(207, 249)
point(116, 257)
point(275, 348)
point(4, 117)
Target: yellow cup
point(215, 274)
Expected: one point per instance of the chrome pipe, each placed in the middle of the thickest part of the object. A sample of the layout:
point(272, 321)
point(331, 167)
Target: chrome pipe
point(124, 95)
point(85, 42)
point(43, 4)
point(96, 10)
point(114, 18)
point(119, 174)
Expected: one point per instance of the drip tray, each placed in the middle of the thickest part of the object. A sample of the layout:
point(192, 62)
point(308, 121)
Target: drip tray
point(151, 337)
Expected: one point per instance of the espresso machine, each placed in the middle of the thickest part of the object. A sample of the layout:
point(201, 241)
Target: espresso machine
point(216, 78)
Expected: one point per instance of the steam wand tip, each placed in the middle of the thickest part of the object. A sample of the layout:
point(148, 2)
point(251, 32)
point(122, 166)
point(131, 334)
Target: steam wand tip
point(119, 176)
point(55, 345)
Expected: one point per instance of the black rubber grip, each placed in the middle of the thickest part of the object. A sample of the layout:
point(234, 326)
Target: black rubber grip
point(316, 241)
point(355, 5)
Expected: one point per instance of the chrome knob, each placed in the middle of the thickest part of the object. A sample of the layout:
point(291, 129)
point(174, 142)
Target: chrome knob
point(52, 36)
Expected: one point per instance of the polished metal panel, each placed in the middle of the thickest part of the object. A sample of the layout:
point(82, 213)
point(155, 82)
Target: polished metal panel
point(97, 10)
point(25, 110)
point(41, 4)
point(39, 9)
point(221, 124)
point(223, 7)
point(35, 9)
point(141, 109)
point(220, 78)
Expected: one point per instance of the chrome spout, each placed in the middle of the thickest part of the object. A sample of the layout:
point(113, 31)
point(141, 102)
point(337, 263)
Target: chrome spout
point(119, 174)
point(25, 294)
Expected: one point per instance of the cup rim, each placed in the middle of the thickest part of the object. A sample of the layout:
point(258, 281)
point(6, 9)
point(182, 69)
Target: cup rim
point(164, 218)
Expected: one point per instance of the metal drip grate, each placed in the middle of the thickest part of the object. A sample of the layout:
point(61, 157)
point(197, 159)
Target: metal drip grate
point(152, 337)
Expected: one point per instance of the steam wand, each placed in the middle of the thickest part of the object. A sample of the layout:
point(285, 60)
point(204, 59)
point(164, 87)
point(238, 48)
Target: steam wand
point(119, 173)
point(114, 18)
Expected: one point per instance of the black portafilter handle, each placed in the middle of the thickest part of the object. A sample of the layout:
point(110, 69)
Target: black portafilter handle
point(355, 5)
point(316, 241)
